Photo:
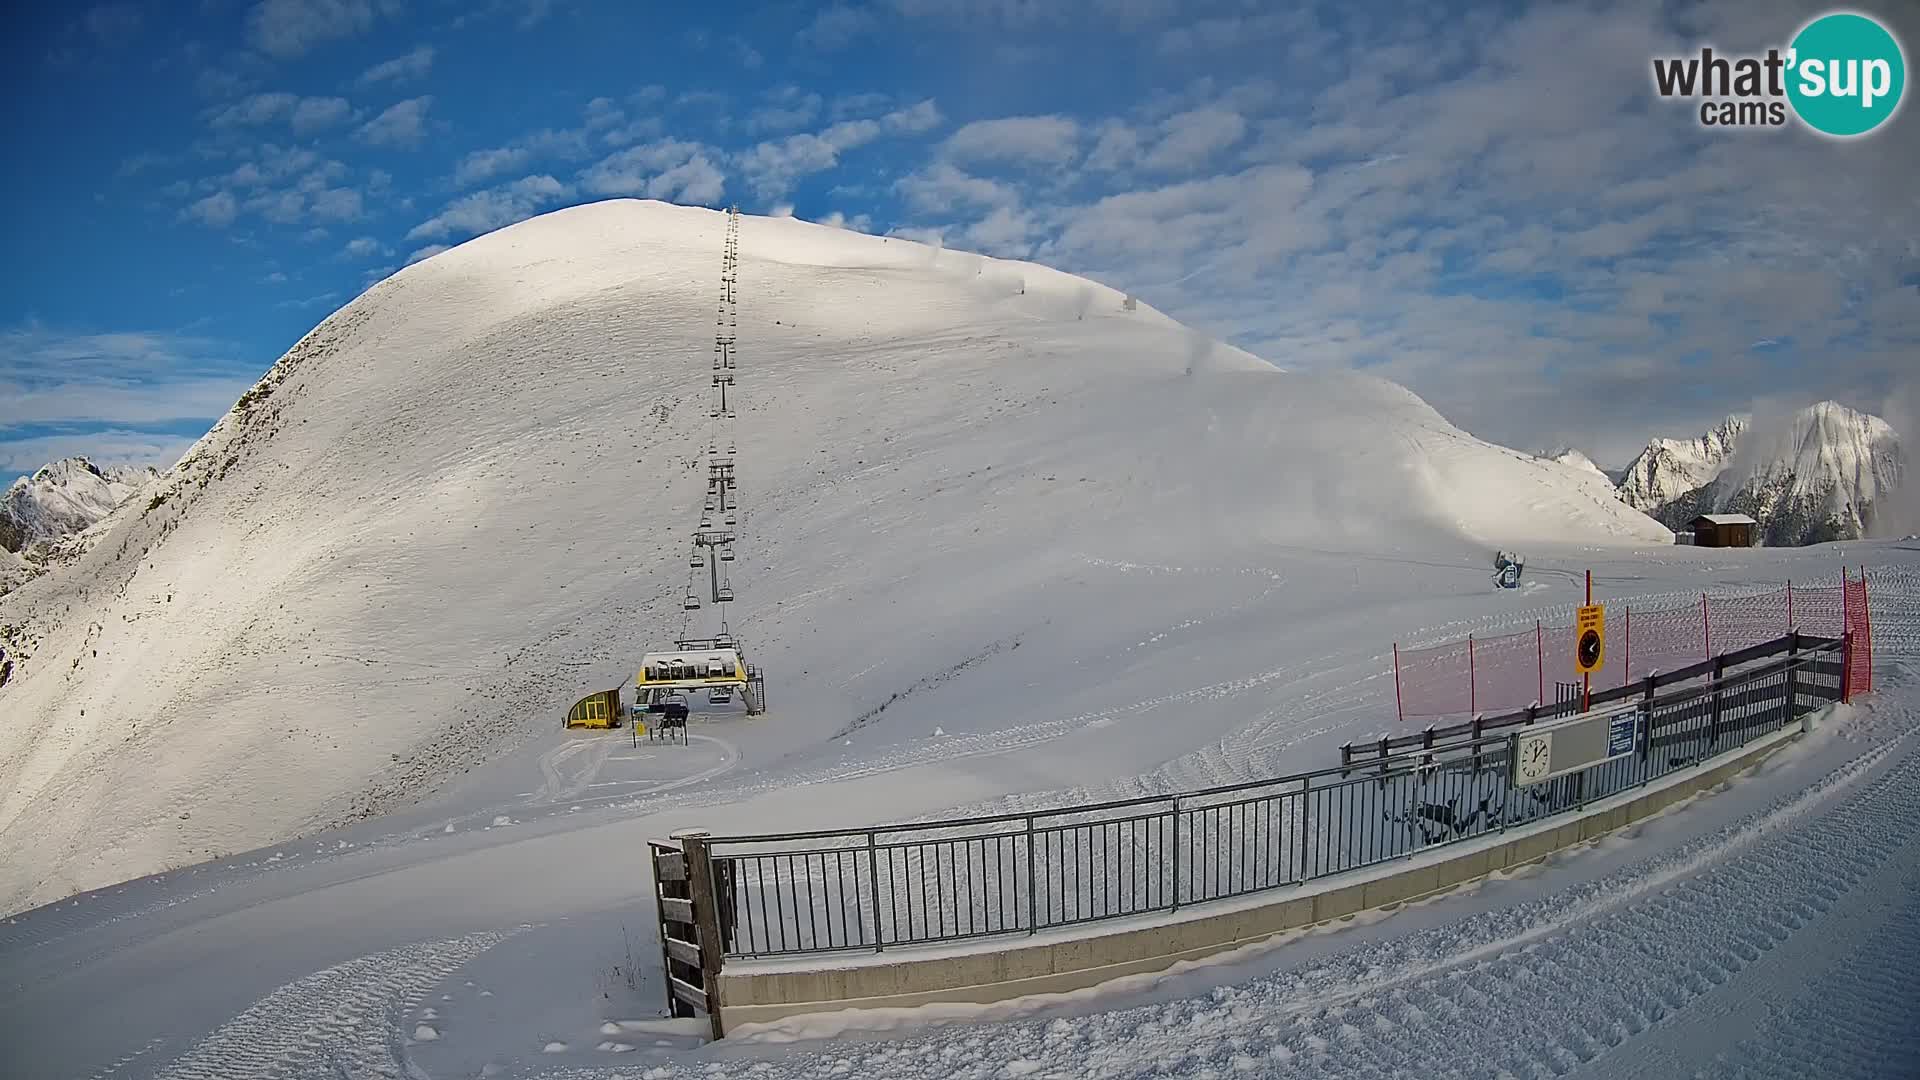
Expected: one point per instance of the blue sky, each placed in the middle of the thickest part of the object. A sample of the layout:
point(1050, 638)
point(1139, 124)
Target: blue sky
point(1484, 203)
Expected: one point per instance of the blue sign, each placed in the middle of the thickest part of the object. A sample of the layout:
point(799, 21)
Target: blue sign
point(1620, 732)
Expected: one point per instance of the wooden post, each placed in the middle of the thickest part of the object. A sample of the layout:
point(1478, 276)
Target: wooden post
point(706, 918)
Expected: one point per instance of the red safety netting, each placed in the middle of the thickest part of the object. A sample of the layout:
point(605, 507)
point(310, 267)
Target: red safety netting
point(1511, 671)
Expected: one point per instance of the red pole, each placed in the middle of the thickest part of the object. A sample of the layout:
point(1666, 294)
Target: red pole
point(1866, 622)
point(1586, 678)
point(1540, 655)
point(1706, 627)
point(1473, 697)
point(1399, 710)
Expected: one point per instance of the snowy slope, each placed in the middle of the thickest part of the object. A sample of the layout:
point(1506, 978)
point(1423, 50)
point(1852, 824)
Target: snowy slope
point(1578, 462)
point(58, 501)
point(463, 499)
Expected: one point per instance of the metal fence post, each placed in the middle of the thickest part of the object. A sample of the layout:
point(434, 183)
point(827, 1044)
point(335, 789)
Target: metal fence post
point(1033, 903)
point(706, 918)
point(873, 878)
point(1713, 722)
point(1176, 853)
point(1793, 677)
point(1306, 786)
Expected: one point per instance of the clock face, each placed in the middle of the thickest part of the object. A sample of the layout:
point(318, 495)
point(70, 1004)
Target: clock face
point(1534, 756)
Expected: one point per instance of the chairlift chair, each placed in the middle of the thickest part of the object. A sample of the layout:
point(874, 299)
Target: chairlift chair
point(692, 603)
point(720, 695)
point(724, 594)
point(699, 561)
point(726, 554)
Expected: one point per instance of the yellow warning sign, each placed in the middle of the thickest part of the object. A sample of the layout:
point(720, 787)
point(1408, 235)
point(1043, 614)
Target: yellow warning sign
point(1590, 638)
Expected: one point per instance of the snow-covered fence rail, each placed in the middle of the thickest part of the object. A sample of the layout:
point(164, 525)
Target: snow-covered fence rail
point(874, 889)
point(1510, 672)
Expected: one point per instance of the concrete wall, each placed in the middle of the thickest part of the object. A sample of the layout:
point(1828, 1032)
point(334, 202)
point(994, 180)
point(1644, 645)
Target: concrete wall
point(997, 969)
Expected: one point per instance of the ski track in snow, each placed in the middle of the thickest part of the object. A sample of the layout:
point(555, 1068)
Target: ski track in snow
point(343, 1021)
point(1546, 988)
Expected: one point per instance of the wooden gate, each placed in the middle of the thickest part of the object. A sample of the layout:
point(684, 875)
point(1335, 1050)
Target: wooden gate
point(691, 948)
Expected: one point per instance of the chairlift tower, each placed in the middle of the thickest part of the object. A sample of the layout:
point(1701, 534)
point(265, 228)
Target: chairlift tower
point(715, 537)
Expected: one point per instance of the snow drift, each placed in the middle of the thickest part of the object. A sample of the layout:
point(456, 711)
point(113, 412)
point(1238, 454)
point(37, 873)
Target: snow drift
point(463, 500)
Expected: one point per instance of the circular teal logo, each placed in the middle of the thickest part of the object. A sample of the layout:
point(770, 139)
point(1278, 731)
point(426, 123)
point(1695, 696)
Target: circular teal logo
point(1846, 74)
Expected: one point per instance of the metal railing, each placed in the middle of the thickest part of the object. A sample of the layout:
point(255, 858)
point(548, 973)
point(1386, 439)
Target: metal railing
point(944, 881)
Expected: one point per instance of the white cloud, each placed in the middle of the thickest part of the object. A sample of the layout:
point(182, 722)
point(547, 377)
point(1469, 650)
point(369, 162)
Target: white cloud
point(1117, 148)
point(288, 28)
point(318, 114)
point(941, 188)
point(603, 112)
point(279, 207)
point(483, 165)
point(1028, 140)
point(255, 110)
point(484, 211)
point(403, 124)
point(401, 69)
point(856, 223)
point(669, 169)
point(1006, 232)
point(773, 167)
point(275, 278)
point(836, 27)
point(113, 381)
point(338, 204)
point(217, 210)
point(362, 246)
point(785, 112)
point(1191, 139)
point(427, 252)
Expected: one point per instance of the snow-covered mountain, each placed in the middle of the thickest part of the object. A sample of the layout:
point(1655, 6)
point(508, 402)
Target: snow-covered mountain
point(1670, 469)
point(464, 499)
point(1807, 478)
point(1579, 462)
point(39, 513)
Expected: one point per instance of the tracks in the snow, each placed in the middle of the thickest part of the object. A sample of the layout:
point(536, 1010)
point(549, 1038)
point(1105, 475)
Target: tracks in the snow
point(339, 1022)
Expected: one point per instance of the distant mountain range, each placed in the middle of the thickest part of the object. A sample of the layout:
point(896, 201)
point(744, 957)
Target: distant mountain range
point(1820, 474)
point(43, 516)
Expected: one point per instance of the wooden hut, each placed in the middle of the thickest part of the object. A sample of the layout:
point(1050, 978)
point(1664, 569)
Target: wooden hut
point(1723, 530)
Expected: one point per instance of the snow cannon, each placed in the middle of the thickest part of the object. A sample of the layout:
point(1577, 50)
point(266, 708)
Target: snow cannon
point(1506, 569)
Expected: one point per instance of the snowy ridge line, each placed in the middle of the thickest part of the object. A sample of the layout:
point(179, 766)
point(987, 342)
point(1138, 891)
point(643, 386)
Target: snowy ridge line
point(1584, 971)
point(340, 1021)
